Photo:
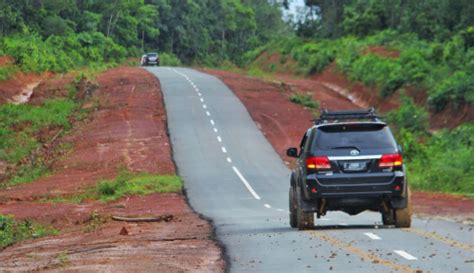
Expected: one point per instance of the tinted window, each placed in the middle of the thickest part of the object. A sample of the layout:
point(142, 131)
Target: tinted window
point(366, 136)
point(152, 54)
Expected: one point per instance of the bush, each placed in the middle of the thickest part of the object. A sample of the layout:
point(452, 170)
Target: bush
point(61, 53)
point(446, 164)
point(457, 88)
point(409, 117)
point(169, 59)
point(414, 66)
point(314, 57)
point(305, 100)
point(373, 70)
point(12, 231)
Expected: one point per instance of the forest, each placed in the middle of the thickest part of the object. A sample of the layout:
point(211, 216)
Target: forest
point(57, 35)
point(433, 41)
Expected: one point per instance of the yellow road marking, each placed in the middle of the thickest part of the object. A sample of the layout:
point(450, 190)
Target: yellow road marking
point(363, 254)
point(439, 237)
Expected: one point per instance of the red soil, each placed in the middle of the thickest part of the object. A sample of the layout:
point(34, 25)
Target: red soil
point(357, 90)
point(17, 85)
point(5, 60)
point(284, 123)
point(128, 129)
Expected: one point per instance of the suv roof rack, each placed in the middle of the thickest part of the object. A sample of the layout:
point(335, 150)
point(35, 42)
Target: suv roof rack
point(326, 115)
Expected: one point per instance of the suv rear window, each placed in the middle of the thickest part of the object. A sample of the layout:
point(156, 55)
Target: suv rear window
point(360, 136)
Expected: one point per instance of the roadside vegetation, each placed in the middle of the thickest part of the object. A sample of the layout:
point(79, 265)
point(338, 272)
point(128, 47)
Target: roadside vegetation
point(26, 128)
point(304, 100)
point(125, 184)
point(60, 36)
point(12, 231)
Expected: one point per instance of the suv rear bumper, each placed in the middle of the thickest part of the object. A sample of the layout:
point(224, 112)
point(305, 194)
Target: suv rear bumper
point(389, 185)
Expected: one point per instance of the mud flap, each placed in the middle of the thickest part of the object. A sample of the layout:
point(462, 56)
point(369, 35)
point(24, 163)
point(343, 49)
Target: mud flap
point(399, 203)
point(307, 206)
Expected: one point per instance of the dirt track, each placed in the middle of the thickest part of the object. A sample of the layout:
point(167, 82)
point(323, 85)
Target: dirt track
point(127, 130)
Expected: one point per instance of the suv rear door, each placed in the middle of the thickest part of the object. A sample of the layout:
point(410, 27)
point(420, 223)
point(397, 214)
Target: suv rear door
point(354, 151)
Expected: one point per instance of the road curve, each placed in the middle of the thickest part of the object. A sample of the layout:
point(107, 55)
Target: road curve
point(233, 176)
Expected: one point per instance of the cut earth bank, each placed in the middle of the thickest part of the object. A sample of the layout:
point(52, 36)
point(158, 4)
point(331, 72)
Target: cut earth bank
point(126, 129)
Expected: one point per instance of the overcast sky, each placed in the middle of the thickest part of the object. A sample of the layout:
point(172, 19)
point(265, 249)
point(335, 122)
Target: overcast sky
point(295, 7)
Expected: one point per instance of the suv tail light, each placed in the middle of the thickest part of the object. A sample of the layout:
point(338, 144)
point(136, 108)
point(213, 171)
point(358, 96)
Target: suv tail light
point(390, 160)
point(318, 163)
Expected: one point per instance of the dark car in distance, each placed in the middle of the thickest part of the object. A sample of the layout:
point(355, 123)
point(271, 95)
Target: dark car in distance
point(151, 58)
point(348, 161)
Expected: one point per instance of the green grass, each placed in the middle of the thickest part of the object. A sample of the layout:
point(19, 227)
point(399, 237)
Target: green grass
point(136, 184)
point(304, 100)
point(441, 162)
point(6, 72)
point(20, 126)
point(125, 184)
point(12, 231)
point(28, 173)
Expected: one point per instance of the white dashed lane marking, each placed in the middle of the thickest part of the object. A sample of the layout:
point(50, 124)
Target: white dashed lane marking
point(372, 236)
point(267, 206)
point(224, 150)
point(246, 183)
point(406, 255)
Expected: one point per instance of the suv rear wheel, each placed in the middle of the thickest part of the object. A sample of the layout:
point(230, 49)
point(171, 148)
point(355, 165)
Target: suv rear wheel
point(403, 216)
point(293, 207)
point(399, 217)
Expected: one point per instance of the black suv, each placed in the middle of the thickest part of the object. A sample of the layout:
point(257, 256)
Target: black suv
point(151, 58)
point(349, 161)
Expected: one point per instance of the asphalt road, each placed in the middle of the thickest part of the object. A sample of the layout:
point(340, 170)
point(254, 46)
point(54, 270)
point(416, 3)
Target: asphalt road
point(233, 176)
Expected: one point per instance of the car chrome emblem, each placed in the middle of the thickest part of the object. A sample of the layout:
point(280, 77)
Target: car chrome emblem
point(354, 152)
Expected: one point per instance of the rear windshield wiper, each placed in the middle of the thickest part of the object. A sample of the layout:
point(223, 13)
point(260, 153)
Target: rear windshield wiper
point(345, 147)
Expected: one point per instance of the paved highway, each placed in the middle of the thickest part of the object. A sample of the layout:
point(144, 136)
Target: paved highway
point(233, 176)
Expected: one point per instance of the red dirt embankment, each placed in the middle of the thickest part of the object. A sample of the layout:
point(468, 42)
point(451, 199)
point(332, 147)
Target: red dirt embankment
point(284, 123)
point(127, 129)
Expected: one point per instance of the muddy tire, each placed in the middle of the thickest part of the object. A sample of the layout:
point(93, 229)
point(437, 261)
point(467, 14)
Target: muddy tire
point(403, 216)
point(304, 220)
point(292, 207)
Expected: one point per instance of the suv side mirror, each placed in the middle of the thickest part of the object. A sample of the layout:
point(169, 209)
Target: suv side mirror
point(292, 152)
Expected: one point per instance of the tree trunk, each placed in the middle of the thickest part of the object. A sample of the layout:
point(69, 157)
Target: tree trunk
point(143, 40)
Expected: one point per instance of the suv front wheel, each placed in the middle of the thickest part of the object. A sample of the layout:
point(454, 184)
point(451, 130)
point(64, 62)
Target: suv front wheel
point(293, 207)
